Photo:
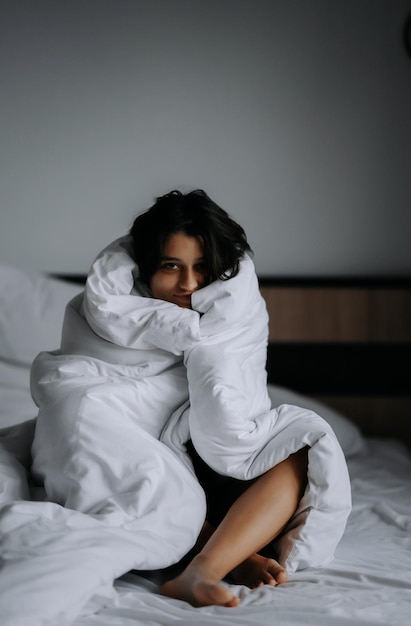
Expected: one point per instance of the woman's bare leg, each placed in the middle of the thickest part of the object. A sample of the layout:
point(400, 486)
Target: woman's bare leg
point(256, 518)
point(254, 571)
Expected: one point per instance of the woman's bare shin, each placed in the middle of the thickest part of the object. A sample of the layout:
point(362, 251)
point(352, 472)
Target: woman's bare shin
point(254, 520)
point(259, 515)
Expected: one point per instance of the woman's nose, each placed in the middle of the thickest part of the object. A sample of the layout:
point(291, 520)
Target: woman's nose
point(189, 280)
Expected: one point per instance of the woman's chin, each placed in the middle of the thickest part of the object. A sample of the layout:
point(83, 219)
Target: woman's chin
point(183, 301)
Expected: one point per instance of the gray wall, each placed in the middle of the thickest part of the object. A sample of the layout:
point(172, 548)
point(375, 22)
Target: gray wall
point(294, 115)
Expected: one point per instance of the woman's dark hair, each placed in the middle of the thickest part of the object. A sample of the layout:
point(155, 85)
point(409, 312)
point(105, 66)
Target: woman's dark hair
point(195, 215)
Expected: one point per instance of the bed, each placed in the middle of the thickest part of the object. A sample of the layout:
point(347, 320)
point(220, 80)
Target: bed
point(341, 347)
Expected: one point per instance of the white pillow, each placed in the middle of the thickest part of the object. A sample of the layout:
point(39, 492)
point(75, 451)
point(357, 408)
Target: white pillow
point(31, 313)
point(16, 403)
point(347, 433)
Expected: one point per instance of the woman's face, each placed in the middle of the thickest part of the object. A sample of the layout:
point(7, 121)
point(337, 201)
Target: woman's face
point(182, 270)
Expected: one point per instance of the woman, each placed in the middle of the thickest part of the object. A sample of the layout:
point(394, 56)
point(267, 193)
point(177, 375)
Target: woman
point(160, 385)
point(182, 244)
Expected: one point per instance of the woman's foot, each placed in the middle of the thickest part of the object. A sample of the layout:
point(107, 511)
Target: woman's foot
point(199, 586)
point(258, 570)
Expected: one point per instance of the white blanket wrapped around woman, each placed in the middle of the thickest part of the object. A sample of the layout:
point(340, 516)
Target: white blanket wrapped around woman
point(136, 377)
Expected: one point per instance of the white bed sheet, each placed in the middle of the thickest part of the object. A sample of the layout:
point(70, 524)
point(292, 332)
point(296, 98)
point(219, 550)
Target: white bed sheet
point(369, 581)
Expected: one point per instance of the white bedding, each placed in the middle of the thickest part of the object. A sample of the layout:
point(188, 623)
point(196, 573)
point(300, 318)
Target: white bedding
point(368, 582)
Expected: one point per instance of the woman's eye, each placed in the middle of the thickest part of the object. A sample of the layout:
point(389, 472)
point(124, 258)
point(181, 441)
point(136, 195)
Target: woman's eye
point(169, 266)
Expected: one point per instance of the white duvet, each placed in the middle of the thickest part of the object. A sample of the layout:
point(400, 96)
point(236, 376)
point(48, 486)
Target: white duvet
point(134, 379)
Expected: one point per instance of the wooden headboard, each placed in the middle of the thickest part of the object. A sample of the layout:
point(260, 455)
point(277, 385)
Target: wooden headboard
point(346, 342)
